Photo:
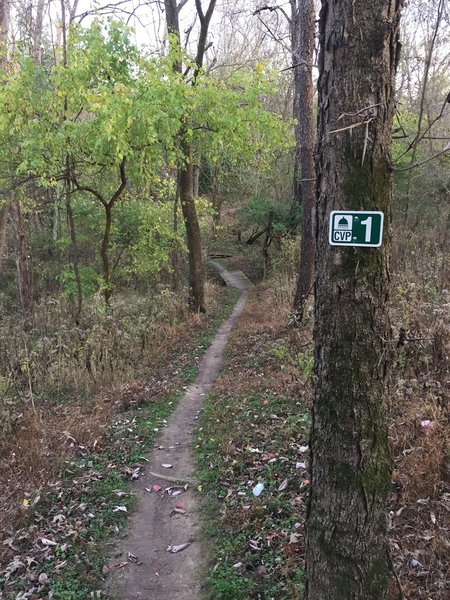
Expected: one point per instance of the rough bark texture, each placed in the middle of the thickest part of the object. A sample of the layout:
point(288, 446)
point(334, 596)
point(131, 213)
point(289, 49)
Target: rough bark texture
point(305, 171)
point(346, 552)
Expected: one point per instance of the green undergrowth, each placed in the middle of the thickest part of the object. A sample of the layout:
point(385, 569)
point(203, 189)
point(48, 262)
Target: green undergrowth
point(255, 543)
point(61, 550)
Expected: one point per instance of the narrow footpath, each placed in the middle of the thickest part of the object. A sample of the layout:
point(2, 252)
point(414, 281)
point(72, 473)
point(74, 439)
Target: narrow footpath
point(164, 521)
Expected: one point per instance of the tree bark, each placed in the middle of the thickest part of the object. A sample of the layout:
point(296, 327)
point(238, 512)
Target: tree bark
point(305, 172)
point(4, 22)
point(22, 262)
point(193, 236)
point(346, 548)
point(73, 249)
point(4, 25)
point(104, 253)
point(3, 226)
point(37, 34)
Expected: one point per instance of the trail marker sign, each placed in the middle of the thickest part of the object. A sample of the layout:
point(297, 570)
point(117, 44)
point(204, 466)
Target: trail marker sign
point(357, 228)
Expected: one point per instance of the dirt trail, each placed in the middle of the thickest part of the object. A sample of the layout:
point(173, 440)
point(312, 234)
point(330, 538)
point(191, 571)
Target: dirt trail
point(163, 575)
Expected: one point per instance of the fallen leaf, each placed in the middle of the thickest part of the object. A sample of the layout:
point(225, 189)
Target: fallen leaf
point(177, 548)
point(283, 485)
point(47, 542)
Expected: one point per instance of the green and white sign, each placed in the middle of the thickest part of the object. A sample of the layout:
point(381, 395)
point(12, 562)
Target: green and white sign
point(358, 228)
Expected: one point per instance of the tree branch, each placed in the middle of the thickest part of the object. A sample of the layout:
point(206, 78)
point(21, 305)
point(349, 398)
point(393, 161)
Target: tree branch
point(123, 182)
point(272, 9)
point(87, 188)
point(422, 162)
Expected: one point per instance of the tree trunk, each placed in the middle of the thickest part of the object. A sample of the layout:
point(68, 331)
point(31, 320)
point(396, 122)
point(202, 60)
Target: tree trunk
point(73, 249)
point(196, 180)
point(104, 253)
point(37, 34)
point(346, 548)
point(4, 23)
point(4, 211)
point(266, 244)
point(3, 233)
point(305, 184)
point(193, 237)
point(22, 262)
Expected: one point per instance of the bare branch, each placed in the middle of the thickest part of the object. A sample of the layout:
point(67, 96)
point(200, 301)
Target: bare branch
point(422, 162)
point(258, 11)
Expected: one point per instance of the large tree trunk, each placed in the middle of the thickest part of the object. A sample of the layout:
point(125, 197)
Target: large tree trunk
point(305, 172)
point(346, 550)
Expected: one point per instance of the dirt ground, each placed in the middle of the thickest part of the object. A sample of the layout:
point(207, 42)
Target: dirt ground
point(167, 514)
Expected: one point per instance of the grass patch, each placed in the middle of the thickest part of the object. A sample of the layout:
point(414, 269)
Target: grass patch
point(243, 441)
point(254, 428)
point(59, 544)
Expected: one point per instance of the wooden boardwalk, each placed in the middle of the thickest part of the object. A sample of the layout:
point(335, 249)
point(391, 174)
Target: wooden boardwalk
point(235, 279)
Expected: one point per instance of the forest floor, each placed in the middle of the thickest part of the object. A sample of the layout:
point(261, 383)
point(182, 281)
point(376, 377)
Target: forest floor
point(164, 534)
point(64, 526)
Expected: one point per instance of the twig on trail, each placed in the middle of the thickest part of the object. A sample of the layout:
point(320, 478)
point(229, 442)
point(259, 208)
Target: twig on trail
point(173, 479)
point(396, 575)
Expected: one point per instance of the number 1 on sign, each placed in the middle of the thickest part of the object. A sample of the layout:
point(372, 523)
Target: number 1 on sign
point(368, 224)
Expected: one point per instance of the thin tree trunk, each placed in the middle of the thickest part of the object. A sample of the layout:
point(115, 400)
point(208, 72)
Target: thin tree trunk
point(73, 249)
point(22, 261)
point(196, 183)
point(266, 244)
point(3, 233)
point(104, 253)
point(187, 199)
point(37, 34)
point(294, 26)
point(346, 545)
point(4, 211)
point(4, 23)
point(175, 252)
point(416, 140)
point(305, 142)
